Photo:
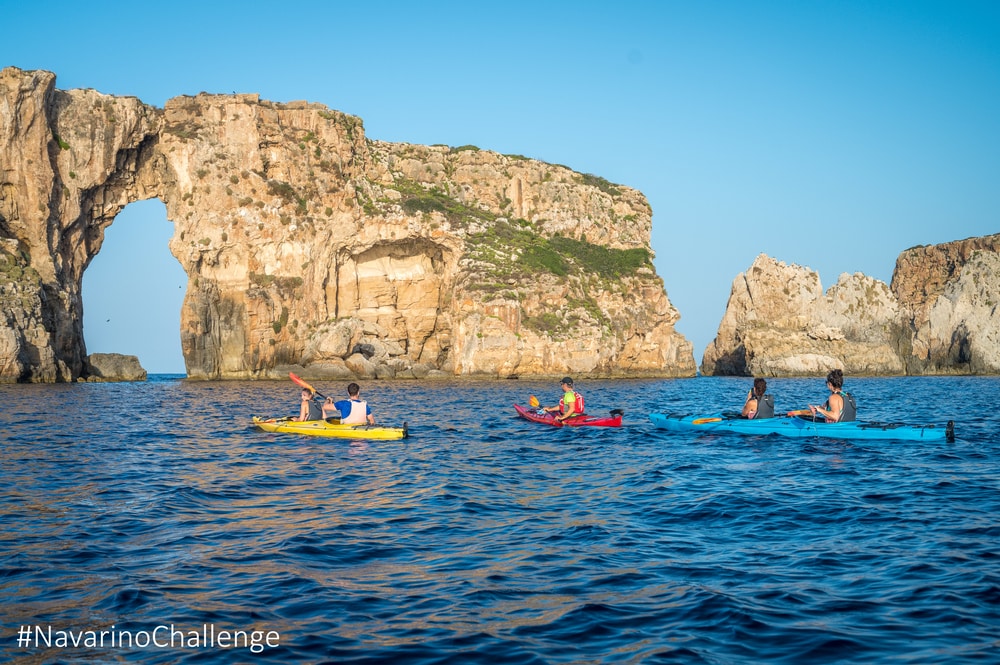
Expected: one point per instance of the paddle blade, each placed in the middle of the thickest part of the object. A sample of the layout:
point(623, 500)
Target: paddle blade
point(702, 421)
point(302, 384)
point(533, 401)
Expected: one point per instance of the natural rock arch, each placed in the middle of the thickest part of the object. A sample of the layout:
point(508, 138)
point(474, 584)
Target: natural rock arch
point(276, 205)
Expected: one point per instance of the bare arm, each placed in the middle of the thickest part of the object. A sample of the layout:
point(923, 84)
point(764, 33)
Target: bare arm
point(832, 414)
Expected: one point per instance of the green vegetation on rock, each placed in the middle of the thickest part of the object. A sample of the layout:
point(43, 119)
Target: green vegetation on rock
point(513, 250)
point(418, 199)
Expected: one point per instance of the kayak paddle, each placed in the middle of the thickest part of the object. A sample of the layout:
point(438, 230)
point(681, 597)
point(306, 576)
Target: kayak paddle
point(702, 421)
point(533, 401)
point(305, 385)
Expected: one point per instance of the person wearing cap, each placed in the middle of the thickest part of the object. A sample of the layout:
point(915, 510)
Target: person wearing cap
point(571, 403)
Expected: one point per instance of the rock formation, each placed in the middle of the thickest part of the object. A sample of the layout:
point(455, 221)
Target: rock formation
point(778, 322)
point(108, 367)
point(310, 247)
point(950, 293)
point(939, 317)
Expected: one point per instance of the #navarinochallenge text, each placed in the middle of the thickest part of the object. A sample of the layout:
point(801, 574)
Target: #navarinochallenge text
point(160, 637)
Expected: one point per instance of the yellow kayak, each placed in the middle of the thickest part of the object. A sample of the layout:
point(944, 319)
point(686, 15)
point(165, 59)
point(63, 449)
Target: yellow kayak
point(329, 428)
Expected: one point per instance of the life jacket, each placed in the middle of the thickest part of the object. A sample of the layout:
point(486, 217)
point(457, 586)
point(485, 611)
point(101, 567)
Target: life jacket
point(765, 407)
point(358, 414)
point(850, 411)
point(577, 405)
point(315, 413)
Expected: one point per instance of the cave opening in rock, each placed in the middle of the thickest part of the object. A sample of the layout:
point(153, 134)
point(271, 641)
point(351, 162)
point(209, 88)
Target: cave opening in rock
point(133, 290)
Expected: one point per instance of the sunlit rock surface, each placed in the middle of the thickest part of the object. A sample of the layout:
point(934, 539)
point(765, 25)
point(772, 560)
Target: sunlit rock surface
point(939, 317)
point(310, 247)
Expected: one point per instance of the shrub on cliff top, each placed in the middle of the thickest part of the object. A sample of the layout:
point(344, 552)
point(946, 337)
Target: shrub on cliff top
point(605, 261)
point(515, 251)
point(600, 183)
point(417, 199)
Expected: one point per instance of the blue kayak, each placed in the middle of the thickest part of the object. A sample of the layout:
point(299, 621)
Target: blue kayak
point(800, 426)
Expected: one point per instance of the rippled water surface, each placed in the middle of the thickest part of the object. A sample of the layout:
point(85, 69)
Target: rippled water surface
point(484, 538)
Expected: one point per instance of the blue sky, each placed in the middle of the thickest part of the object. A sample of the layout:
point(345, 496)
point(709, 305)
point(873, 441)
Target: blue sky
point(833, 135)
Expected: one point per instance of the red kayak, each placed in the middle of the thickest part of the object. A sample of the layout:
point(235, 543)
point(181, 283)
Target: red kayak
point(539, 416)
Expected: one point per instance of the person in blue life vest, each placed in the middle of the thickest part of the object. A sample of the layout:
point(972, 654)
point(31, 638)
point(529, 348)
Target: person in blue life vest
point(840, 407)
point(758, 405)
point(309, 410)
point(571, 403)
point(352, 411)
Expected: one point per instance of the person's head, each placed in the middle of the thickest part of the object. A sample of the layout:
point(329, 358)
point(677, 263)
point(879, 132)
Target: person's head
point(835, 378)
point(567, 383)
point(353, 389)
point(306, 395)
point(759, 387)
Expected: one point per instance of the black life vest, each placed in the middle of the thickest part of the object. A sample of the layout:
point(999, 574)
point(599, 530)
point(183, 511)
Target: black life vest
point(765, 407)
point(315, 413)
point(850, 411)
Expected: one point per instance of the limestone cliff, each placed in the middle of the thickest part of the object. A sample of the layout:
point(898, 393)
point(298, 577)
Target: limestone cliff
point(949, 293)
point(309, 246)
point(939, 317)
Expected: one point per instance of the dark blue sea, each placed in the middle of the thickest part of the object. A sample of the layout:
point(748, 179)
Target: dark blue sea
point(153, 512)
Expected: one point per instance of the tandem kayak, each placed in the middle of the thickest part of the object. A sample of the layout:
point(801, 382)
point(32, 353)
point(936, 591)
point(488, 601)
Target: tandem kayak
point(801, 426)
point(540, 416)
point(330, 428)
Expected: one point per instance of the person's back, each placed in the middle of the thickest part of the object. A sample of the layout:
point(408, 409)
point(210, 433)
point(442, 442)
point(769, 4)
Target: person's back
point(758, 404)
point(765, 407)
point(354, 410)
point(849, 411)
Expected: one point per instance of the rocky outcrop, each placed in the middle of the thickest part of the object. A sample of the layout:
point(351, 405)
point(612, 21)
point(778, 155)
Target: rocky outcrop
point(778, 322)
point(109, 367)
point(310, 247)
point(950, 294)
point(939, 317)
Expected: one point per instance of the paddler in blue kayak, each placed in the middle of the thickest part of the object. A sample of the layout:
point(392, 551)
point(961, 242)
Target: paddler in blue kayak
point(758, 405)
point(840, 407)
point(309, 410)
point(571, 403)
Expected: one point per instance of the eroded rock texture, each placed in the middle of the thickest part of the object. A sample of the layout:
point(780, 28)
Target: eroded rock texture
point(310, 247)
point(939, 317)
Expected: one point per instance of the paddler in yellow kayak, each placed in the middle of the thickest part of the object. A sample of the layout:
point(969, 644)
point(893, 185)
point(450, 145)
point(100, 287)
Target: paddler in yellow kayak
point(309, 410)
point(351, 411)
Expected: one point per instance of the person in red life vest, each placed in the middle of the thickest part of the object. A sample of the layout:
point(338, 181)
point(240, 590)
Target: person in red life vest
point(352, 411)
point(571, 403)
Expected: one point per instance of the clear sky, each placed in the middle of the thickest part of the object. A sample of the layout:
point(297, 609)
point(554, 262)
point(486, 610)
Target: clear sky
point(830, 134)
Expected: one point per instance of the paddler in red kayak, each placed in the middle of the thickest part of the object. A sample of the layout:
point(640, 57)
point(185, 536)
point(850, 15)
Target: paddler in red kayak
point(571, 403)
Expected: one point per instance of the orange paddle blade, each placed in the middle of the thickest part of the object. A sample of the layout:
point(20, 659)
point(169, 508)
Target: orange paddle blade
point(300, 382)
point(533, 401)
point(800, 412)
point(702, 421)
